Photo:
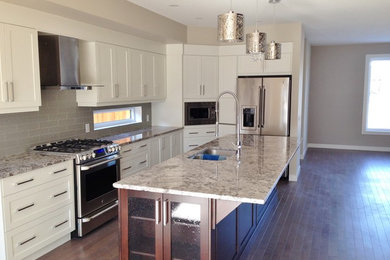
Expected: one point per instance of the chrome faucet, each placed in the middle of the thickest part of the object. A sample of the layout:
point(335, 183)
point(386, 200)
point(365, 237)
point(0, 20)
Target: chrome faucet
point(238, 121)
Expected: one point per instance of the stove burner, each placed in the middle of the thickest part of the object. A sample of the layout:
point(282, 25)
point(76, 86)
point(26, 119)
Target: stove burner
point(72, 145)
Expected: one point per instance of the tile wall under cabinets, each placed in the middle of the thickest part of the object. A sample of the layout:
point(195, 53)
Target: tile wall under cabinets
point(58, 118)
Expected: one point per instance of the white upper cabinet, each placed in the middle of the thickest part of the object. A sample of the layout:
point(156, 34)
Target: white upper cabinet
point(200, 77)
point(283, 66)
point(20, 89)
point(127, 76)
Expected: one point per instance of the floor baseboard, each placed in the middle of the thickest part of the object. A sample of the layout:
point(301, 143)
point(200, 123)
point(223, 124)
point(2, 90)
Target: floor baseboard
point(350, 147)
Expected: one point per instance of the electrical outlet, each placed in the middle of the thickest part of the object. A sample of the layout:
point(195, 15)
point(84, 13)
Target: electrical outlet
point(87, 130)
point(147, 118)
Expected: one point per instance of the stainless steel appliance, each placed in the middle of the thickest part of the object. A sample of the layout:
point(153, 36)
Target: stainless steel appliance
point(199, 113)
point(265, 105)
point(96, 169)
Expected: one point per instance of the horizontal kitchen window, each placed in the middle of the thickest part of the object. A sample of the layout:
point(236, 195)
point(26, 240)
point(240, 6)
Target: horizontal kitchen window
point(376, 105)
point(115, 117)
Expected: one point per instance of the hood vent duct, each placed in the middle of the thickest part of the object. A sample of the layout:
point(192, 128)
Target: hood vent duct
point(59, 62)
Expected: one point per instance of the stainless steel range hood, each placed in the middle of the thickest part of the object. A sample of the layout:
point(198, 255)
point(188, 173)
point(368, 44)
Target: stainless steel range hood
point(59, 62)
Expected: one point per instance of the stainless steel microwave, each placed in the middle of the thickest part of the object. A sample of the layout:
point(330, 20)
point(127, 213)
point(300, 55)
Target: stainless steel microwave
point(199, 113)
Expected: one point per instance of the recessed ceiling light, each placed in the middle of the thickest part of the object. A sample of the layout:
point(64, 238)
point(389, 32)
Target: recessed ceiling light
point(173, 5)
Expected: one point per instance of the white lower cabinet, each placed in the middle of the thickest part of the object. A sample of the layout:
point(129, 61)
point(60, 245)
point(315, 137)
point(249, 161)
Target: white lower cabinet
point(37, 211)
point(143, 154)
point(195, 136)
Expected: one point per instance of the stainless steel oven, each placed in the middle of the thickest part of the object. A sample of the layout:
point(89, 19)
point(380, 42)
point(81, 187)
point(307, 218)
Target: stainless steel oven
point(199, 113)
point(96, 198)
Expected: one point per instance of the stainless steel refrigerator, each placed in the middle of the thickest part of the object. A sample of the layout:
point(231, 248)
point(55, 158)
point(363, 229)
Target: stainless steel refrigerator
point(264, 105)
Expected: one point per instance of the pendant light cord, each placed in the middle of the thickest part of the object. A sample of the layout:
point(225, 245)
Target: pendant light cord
point(257, 13)
point(231, 5)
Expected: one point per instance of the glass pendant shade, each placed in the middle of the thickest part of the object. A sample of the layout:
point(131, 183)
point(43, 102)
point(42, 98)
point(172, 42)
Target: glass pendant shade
point(255, 42)
point(231, 27)
point(274, 51)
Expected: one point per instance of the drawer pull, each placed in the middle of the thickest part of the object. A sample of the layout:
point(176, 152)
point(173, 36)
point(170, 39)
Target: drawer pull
point(143, 162)
point(210, 132)
point(60, 171)
point(193, 145)
point(142, 146)
point(60, 224)
point(59, 194)
point(126, 151)
point(26, 207)
point(23, 182)
point(193, 133)
point(28, 240)
point(127, 168)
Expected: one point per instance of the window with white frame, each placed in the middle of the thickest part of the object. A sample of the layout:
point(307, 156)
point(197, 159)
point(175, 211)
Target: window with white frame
point(376, 106)
point(115, 117)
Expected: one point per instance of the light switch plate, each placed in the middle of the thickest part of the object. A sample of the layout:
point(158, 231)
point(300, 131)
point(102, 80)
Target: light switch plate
point(87, 130)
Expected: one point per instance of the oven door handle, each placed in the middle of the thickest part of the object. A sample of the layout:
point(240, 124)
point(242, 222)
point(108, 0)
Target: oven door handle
point(84, 220)
point(86, 168)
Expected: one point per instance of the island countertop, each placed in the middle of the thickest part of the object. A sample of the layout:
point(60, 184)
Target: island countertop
point(251, 179)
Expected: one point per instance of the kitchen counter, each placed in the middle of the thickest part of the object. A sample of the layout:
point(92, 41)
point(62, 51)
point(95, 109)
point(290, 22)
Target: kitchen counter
point(25, 162)
point(135, 136)
point(252, 179)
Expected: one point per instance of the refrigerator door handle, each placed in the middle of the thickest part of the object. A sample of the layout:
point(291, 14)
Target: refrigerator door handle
point(263, 108)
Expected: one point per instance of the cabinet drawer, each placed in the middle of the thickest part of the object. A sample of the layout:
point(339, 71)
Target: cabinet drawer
point(191, 143)
point(27, 239)
point(22, 207)
point(134, 148)
point(134, 164)
point(36, 177)
point(199, 132)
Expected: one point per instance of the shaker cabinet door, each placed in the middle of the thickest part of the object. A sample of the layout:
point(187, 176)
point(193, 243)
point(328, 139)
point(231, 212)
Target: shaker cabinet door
point(20, 83)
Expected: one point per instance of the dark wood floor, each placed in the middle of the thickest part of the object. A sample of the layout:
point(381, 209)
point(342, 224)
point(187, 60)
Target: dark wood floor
point(339, 209)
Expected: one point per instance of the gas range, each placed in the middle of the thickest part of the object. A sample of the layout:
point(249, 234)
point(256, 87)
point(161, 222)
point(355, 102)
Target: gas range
point(96, 169)
point(85, 150)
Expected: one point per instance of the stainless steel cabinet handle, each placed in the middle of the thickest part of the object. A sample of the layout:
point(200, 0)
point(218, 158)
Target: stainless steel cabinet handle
point(60, 224)
point(193, 133)
point(142, 146)
point(193, 145)
point(116, 90)
point(126, 151)
point(263, 117)
point(11, 92)
point(124, 169)
point(26, 207)
point(62, 170)
point(5, 97)
point(165, 212)
point(84, 220)
point(157, 211)
point(204, 90)
point(23, 182)
point(200, 90)
point(143, 162)
point(212, 132)
point(28, 240)
point(59, 194)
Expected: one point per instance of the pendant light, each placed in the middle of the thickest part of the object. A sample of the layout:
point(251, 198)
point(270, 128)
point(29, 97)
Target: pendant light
point(274, 49)
point(231, 26)
point(256, 41)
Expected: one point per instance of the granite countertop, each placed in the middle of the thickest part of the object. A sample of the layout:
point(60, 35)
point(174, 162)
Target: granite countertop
point(252, 179)
point(25, 162)
point(135, 136)
point(31, 160)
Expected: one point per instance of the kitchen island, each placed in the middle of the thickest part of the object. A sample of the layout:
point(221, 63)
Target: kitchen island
point(174, 209)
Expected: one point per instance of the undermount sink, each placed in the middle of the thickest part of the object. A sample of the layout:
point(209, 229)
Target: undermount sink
point(213, 154)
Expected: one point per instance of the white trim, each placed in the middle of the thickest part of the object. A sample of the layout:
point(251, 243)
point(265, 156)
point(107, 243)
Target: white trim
point(369, 58)
point(350, 147)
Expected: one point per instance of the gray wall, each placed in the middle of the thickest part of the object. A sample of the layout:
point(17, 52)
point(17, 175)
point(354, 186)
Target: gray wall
point(59, 118)
point(336, 95)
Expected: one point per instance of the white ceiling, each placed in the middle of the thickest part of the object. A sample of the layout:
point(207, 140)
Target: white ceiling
point(325, 22)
